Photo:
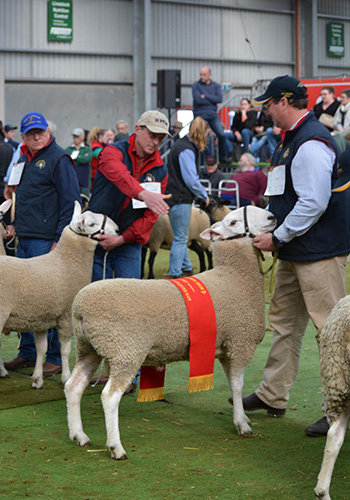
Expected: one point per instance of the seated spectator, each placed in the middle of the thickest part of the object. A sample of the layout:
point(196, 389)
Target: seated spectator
point(211, 173)
point(81, 154)
point(326, 108)
point(243, 123)
point(342, 122)
point(264, 144)
point(251, 181)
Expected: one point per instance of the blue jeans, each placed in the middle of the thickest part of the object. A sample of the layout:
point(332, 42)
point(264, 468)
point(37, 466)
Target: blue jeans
point(180, 216)
point(121, 262)
point(247, 135)
point(257, 144)
point(26, 248)
point(216, 126)
point(272, 140)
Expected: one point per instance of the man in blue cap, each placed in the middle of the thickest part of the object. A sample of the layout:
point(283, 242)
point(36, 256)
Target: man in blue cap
point(46, 188)
point(312, 238)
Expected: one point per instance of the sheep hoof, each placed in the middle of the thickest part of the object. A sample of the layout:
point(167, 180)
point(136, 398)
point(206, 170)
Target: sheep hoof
point(322, 494)
point(118, 453)
point(4, 375)
point(82, 440)
point(244, 430)
point(37, 385)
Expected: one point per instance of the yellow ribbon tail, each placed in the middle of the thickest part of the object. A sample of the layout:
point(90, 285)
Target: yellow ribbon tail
point(155, 394)
point(201, 383)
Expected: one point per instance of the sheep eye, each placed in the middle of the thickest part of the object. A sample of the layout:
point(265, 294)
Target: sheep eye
point(233, 222)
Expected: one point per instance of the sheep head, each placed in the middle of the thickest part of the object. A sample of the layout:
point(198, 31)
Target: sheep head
point(258, 221)
point(4, 207)
point(89, 223)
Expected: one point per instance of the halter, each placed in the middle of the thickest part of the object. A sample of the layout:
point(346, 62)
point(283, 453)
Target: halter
point(246, 227)
point(93, 236)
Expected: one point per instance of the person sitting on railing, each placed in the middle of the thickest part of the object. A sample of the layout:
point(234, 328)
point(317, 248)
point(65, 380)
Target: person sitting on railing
point(243, 123)
point(266, 135)
point(212, 174)
point(251, 181)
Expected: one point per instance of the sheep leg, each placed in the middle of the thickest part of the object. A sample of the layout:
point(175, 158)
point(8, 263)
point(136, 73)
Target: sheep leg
point(74, 389)
point(143, 260)
point(110, 401)
point(235, 378)
point(3, 371)
point(196, 247)
point(41, 348)
point(335, 439)
point(210, 258)
point(151, 259)
point(65, 353)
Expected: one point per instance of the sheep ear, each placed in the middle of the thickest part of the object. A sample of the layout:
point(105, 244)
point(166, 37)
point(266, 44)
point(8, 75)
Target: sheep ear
point(206, 234)
point(5, 206)
point(77, 210)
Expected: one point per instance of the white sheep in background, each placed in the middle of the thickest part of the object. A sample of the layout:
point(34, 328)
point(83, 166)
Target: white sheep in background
point(334, 344)
point(4, 207)
point(134, 322)
point(162, 237)
point(37, 293)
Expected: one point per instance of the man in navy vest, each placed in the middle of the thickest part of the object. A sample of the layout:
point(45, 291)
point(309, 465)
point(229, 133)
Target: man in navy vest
point(312, 237)
point(125, 171)
point(46, 188)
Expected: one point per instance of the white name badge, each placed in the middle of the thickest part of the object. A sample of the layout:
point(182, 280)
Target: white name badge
point(276, 180)
point(16, 174)
point(74, 154)
point(154, 187)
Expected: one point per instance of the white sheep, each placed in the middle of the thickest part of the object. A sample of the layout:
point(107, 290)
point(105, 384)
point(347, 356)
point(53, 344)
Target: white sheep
point(143, 322)
point(162, 237)
point(4, 207)
point(334, 345)
point(37, 293)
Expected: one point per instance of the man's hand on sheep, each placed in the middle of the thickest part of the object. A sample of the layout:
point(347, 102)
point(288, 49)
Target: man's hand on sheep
point(264, 242)
point(109, 241)
point(10, 232)
point(155, 201)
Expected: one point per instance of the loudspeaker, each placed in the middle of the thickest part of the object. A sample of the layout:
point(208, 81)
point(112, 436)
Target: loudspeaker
point(169, 88)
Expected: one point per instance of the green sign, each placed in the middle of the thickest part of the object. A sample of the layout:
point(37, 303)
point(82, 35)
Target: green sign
point(60, 25)
point(336, 46)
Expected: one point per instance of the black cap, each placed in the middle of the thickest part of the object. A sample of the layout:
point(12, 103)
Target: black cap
point(343, 181)
point(9, 127)
point(283, 86)
point(211, 160)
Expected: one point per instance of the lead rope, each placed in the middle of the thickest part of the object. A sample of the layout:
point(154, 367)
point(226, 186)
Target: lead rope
point(271, 268)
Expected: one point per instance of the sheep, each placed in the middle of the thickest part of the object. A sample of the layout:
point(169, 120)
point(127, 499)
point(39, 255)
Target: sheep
point(141, 322)
point(162, 237)
point(4, 207)
point(334, 347)
point(37, 293)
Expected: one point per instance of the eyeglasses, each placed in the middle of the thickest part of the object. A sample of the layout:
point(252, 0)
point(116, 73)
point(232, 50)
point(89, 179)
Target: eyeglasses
point(35, 131)
point(273, 100)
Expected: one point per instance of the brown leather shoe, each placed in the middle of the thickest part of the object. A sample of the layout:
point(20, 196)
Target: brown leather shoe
point(17, 363)
point(50, 369)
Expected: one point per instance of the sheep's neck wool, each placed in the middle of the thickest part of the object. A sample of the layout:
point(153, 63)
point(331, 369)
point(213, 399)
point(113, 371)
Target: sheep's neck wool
point(202, 332)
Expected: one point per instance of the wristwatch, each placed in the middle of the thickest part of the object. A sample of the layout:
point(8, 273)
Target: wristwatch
point(278, 243)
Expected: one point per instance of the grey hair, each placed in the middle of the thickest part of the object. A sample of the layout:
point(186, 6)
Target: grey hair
point(251, 158)
point(119, 122)
point(52, 127)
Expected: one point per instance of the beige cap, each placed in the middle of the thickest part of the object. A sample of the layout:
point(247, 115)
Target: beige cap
point(155, 121)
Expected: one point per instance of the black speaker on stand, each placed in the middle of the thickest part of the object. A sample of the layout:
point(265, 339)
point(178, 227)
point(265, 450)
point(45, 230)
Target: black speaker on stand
point(169, 89)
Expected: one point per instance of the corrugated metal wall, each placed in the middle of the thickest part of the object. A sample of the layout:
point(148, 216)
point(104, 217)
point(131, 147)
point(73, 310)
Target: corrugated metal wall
point(328, 11)
point(238, 43)
point(101, 49)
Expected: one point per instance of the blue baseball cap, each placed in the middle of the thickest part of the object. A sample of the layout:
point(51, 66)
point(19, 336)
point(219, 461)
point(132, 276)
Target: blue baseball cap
point(33, 120)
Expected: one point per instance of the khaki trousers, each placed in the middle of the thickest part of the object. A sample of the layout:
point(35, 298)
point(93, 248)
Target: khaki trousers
point(303, 290)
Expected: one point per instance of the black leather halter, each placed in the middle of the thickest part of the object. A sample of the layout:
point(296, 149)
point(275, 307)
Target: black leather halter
point(246, 227)
point(93, 236)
